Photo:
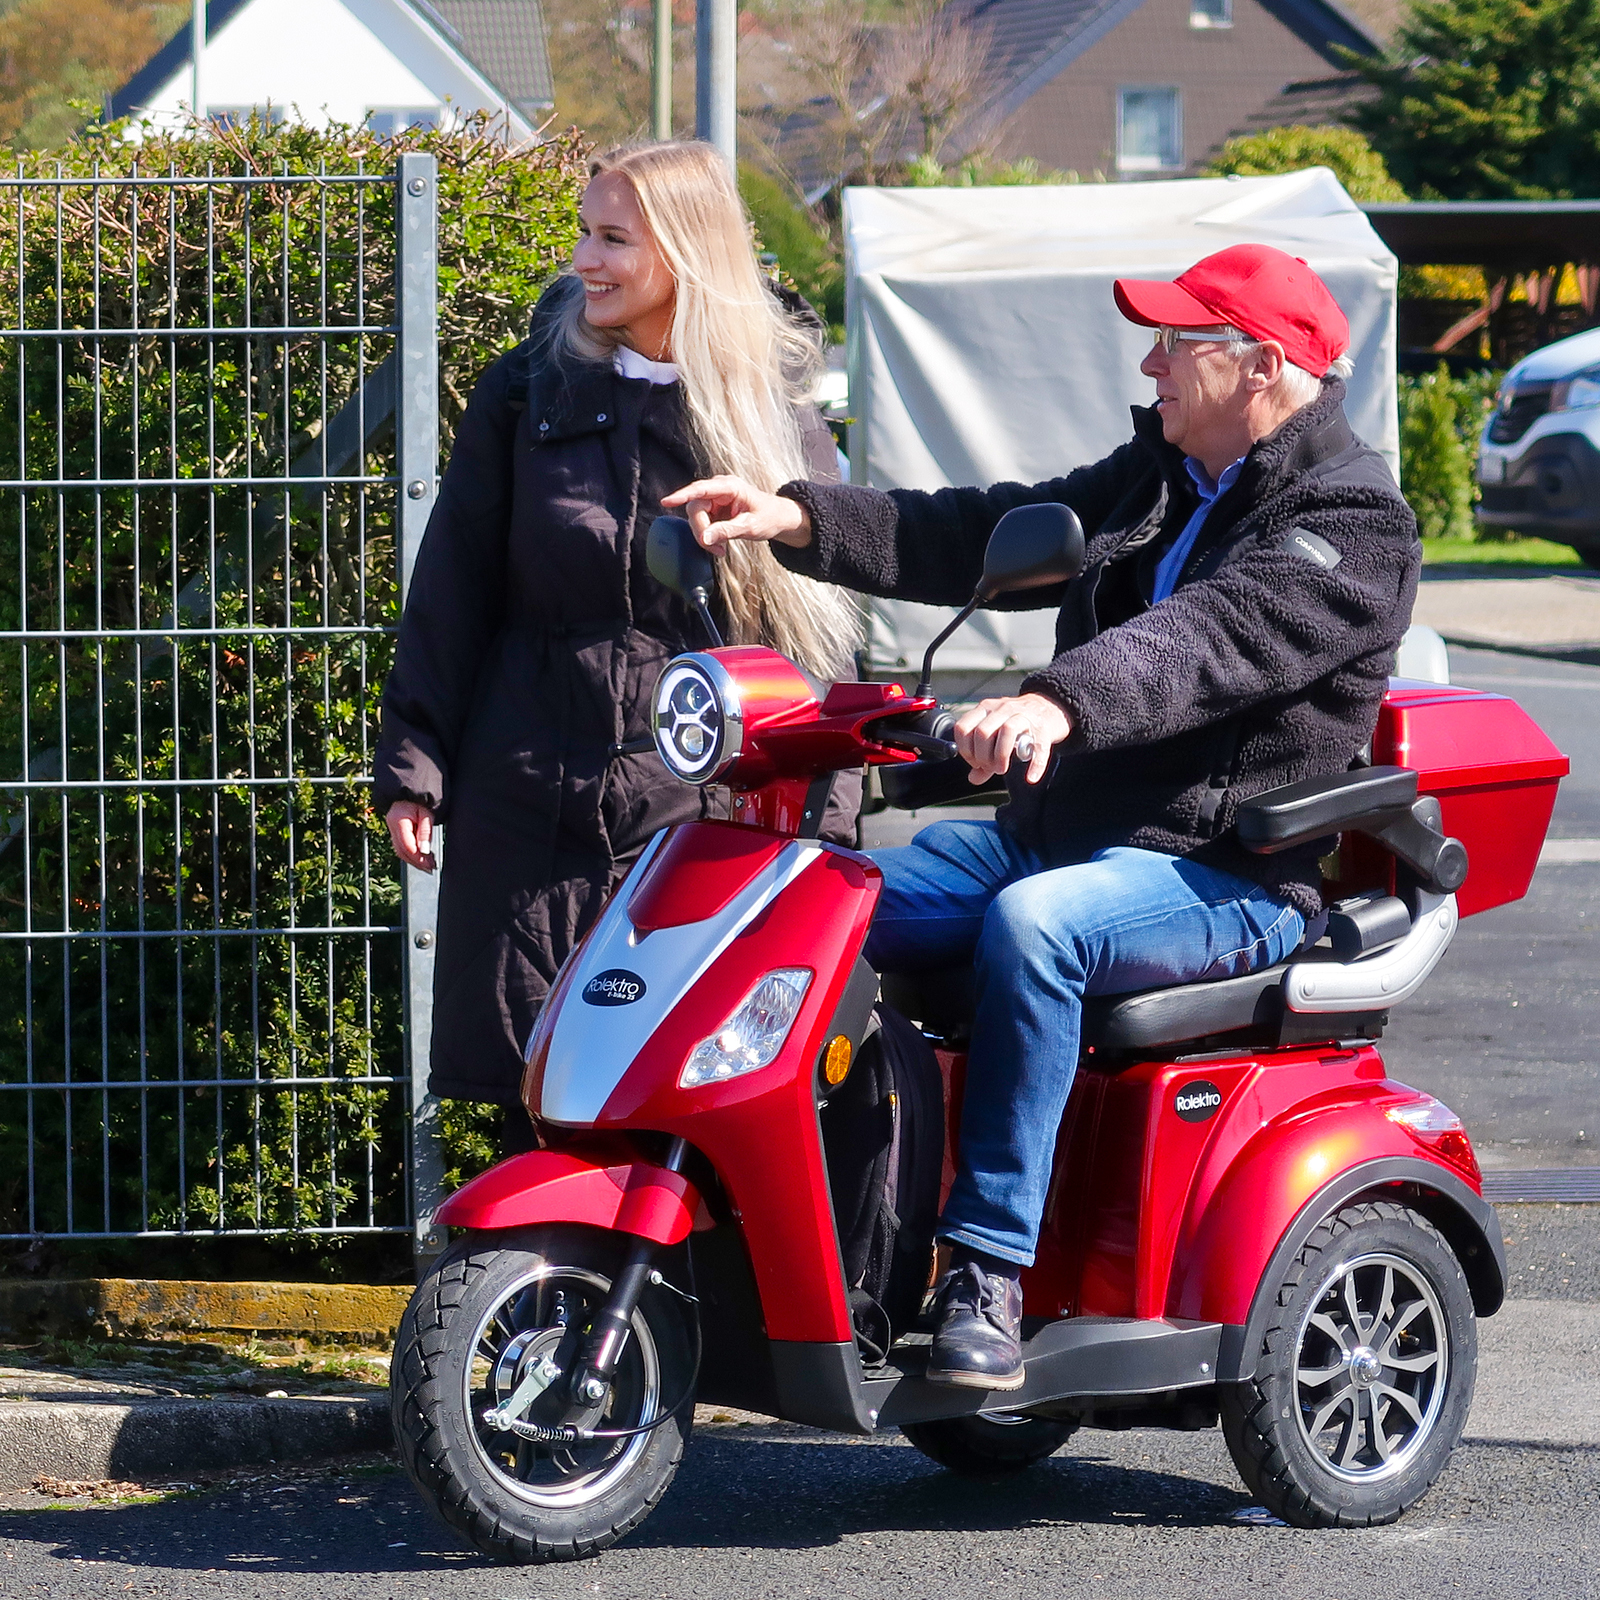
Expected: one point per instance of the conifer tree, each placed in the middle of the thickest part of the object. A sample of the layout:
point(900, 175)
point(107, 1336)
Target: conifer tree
point(1490, 99)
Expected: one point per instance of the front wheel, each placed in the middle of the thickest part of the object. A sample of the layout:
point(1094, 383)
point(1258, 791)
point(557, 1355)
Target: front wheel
point(486, 1316)
point(1364, 1379)
point(989, 1443)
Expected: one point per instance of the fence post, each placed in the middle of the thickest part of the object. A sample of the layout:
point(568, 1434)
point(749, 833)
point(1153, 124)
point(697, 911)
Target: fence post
point(417, 462)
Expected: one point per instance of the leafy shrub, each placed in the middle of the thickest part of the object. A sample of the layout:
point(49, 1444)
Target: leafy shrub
point(1347, 153)
point(1440, 420)
point(277, 725)
point(985, 172)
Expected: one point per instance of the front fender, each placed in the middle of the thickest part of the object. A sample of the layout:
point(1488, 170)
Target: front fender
point(635, 1197)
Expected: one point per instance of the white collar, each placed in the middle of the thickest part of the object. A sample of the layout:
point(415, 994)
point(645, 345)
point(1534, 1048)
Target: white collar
point(630, 364)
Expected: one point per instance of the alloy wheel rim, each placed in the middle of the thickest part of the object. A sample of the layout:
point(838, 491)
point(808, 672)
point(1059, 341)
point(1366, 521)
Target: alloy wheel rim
point(1372, 1365)
point(542, 1314)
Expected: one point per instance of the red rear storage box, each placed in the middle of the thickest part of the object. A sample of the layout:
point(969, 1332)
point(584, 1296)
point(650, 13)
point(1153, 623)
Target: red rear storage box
point(1492, 770)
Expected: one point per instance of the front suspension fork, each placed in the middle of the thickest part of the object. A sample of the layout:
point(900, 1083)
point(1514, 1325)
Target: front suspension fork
point(607, 1335)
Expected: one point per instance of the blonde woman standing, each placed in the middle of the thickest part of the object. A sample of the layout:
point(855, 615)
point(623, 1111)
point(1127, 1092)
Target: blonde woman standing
point(533, 633)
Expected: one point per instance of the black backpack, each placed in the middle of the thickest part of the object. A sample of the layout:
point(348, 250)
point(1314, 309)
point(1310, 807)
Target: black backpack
point(883, 1134)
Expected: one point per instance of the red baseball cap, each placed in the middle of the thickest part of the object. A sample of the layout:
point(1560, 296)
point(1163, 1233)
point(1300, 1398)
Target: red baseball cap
point(1259, 290)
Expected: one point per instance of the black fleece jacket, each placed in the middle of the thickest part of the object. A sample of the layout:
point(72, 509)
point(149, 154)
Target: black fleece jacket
point(1265, 665)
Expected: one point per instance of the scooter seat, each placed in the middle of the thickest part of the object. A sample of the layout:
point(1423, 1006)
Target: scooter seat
point(1232, 1011)
point(1229, 1011)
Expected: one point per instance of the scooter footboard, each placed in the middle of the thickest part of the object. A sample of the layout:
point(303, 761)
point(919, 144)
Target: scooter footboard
point(628, 1196)
point(1096, 1358)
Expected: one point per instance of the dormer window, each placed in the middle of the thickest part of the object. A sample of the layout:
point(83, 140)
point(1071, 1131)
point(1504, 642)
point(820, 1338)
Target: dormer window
point(1149, 128)
point(1210, 13)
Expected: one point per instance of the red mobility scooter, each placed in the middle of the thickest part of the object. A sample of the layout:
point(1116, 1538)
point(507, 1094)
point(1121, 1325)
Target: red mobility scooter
point(1250, 1222)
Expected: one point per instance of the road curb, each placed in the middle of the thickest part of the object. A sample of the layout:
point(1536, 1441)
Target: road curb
point(163, 1439)
point(121, 1306)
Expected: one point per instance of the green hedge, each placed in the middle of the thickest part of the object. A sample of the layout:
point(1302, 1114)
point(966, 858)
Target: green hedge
point(1441, 418)
point(240, 704)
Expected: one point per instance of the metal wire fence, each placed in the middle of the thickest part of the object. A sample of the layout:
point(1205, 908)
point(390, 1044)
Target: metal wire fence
point(218, 442)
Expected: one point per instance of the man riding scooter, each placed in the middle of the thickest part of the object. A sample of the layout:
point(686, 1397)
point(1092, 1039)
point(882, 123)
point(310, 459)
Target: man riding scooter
point(1251, 569)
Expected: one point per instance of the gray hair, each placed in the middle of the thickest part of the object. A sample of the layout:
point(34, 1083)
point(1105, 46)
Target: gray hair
point(1298, 385)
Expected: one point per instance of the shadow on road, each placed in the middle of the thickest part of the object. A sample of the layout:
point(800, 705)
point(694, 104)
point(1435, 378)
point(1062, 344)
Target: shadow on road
point(755, 1494)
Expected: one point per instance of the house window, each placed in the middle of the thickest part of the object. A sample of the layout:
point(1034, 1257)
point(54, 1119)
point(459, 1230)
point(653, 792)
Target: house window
point(387, 121)
point(1149, 129)
point(1210, 13)
point(268, 116)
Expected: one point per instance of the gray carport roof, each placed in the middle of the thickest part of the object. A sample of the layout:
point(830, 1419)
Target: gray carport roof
point(1503, 235)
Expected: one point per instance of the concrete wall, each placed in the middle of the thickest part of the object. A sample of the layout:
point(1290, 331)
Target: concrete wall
point(1224, 73)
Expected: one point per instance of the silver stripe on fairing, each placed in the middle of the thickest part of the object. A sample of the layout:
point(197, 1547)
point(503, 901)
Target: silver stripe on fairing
point(593, 1046)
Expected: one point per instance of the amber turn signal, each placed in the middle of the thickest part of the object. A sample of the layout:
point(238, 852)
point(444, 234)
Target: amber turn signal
point(836, 1061)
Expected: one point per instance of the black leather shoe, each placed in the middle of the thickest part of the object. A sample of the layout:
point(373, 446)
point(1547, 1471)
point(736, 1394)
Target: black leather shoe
point(979, 1339)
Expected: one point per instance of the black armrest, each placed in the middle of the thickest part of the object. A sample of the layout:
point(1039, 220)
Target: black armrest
point(1316, 807)
point(1380, 802)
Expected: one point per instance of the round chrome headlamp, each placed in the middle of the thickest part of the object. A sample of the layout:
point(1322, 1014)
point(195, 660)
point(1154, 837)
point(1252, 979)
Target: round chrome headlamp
point(699, 721)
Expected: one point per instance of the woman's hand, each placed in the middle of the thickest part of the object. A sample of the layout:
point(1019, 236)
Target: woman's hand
point(722, 509)
point(988, 734)
point(411, 833)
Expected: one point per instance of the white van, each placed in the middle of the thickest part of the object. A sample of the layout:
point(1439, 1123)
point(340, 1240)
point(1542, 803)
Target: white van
point(1539, 458)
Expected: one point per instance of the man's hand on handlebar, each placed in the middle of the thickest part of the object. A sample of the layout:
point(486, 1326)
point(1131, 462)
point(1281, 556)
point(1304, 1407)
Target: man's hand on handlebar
point(727, 508)
point(993, 731)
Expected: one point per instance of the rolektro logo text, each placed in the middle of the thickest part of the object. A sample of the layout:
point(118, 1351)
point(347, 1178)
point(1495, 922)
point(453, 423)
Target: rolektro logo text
point(618, 987)
point(1194, 1102)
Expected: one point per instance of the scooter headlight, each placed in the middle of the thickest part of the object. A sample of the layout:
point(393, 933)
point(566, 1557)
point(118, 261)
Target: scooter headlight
point(699, 721)
point(752, 1037)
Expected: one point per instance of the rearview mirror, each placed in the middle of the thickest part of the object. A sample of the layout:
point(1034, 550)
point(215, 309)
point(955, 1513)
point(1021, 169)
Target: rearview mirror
point(677, 560)
point(1032, 547)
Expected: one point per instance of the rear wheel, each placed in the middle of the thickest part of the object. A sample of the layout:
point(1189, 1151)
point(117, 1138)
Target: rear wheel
point(989, 1442)
point(487, 1317)
point(1365, 1376)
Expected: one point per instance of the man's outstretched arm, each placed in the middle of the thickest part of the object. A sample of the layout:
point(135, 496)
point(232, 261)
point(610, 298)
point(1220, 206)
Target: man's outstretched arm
point(900, 544)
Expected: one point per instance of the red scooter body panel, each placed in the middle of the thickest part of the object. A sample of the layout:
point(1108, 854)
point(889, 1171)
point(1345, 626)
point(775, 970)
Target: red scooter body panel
point(626, 1194)
point(760, 1131)
point(1174, 1183)
point(1223, 1255)
point(697, 872)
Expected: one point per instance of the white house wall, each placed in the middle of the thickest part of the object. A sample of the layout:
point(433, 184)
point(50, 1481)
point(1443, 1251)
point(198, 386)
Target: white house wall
point(330, 61)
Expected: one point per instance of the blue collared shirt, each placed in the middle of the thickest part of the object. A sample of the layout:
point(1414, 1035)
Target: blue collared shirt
point(1171, 564)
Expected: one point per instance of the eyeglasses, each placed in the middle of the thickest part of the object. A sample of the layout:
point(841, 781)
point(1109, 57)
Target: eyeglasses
point(1168, 337)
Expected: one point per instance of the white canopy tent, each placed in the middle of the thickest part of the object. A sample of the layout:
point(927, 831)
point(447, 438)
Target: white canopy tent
point(984, 344)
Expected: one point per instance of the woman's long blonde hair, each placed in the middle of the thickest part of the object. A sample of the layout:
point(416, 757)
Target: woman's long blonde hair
point(746, 365)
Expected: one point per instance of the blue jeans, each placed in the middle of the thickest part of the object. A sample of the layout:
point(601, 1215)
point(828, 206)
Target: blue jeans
point(1041, 939)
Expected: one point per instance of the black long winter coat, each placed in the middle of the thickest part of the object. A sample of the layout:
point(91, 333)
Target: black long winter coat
point(532, 639)
point(1266, 664)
